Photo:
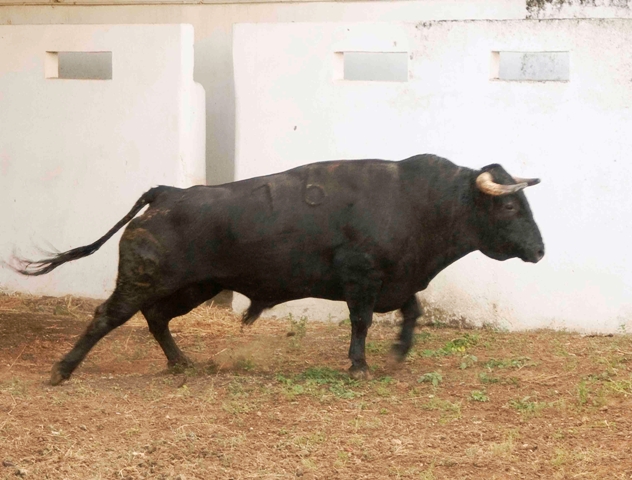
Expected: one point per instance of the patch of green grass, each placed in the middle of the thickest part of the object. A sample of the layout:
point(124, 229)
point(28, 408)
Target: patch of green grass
point(319, 381)
point(612, 362)
point(244, 364)
point(505, 449)
point(484, 377)
point(479, 396)
point(382, 386)
point(487, 379)
point(436, 403)
point(528, 407)
point(435, 378)
point(421, 337)
point(582, 393)
point(236, 388)
point(456, 345)
point(290, 389)
point(600, 377)
point(468, 361)
point(623, 387)
point(563, 457)
point(298, 328)
point(283, 379)
point(592, 391)
point(449, 410)
point(385, 380)
point(378, 347)
point(236, 407)
point(297, 389)
point(323, 375)
point(309, 442)
point(341, 391)
point(518, 362)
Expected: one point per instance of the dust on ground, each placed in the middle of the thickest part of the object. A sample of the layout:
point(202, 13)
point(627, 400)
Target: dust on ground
point(274, 401)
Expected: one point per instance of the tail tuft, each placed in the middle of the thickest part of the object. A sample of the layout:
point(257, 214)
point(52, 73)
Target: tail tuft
point(35, 268)
point(46, 265)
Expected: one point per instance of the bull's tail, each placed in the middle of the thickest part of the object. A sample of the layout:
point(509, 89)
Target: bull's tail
point(42, 267)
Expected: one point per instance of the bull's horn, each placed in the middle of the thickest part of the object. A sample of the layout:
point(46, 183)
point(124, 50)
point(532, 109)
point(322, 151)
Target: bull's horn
point(485, 183)
point(529, 181)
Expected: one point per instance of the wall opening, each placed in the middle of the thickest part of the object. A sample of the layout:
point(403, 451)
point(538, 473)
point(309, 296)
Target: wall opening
point(530, 66)
point(372, 66)
point(78, 65)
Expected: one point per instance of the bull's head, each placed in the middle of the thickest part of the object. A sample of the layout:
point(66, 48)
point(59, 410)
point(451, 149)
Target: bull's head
point(505, 224)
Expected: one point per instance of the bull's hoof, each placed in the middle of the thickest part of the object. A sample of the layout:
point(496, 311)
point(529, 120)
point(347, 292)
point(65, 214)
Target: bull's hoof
point(397, 353)
point(360, 373)
point(57, 376)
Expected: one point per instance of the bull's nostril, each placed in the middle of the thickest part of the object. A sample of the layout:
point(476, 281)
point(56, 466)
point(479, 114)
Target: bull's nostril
point(540, 254)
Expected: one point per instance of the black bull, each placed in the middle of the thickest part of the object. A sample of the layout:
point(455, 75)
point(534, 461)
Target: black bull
point(372, 233)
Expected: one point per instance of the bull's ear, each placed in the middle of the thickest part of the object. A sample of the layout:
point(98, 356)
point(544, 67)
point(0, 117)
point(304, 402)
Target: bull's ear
point(486, 184)
point(490, 167)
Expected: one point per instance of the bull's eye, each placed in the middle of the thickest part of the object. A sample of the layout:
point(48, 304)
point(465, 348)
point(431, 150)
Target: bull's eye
point(510, 207)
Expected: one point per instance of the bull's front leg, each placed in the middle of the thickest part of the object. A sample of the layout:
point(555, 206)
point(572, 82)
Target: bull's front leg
point(411, 311)
point(361, 283)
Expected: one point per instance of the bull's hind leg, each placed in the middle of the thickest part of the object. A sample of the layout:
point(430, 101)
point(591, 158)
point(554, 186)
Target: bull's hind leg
point(255, 310)
point(411, 311)
point(159, 314)
point(361, 316)
point(113, 313)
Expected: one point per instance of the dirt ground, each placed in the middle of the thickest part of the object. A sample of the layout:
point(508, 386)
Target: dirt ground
point(274, 401)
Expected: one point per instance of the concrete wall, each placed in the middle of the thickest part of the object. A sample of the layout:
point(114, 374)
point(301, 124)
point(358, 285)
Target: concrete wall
point(579, 9)
point(213, 39)
point(76, 154)
point(292, 109)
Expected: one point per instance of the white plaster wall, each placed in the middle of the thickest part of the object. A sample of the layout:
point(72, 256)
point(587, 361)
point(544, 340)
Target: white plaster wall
point(575, 135)
point(213, 39)
point(75, 155)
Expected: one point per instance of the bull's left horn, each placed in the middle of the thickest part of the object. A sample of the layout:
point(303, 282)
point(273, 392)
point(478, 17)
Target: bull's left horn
point(485, 183)
point(529, 181)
